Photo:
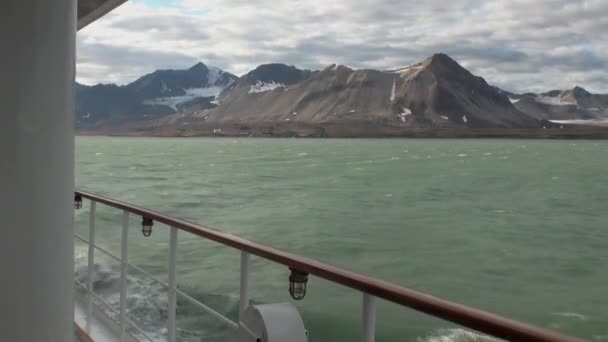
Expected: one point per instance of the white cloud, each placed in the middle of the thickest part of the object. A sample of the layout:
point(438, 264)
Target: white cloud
point(516, 44)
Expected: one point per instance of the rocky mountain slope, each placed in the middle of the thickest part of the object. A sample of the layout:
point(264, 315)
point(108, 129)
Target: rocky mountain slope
point(435, 93)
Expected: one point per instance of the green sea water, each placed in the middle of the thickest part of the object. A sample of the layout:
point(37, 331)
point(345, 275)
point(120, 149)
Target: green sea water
point(515, 227)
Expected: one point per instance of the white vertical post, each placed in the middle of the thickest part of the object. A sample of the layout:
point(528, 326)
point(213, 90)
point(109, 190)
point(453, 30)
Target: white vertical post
point(91, 268)
point(244, 296)
point(368, 318)
point(124, 244)
point(37, 173)
point(172, 285)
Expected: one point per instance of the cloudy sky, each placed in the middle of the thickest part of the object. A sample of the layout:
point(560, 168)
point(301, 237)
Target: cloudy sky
point(520, 45)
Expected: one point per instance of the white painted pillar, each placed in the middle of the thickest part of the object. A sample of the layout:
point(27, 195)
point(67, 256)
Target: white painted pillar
point(37, 44)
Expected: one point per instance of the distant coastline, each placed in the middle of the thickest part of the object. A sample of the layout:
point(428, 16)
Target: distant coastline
point(353, 130)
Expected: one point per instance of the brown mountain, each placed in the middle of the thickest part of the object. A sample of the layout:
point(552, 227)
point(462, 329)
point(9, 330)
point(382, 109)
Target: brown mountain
point(435, 93)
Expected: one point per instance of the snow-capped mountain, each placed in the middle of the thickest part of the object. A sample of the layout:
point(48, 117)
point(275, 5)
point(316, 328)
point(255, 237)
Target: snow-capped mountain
point(563, 105)
point(156, 94)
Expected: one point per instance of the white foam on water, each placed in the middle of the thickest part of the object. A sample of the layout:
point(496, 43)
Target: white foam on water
point(457, 335)
point(462, 155)
point(573, 315)
point(302, 154)
point(99, 154)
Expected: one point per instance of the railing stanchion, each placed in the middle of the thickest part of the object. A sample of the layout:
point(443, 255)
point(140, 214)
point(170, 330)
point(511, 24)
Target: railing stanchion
point(123, 274)
point(172, 291)
point(368, 318)
point(91, 267)
point(244, 296)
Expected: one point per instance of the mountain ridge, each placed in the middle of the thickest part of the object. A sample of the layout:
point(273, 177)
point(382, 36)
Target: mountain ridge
point(437, 93)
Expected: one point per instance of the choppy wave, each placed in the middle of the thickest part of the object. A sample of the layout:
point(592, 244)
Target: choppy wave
point(457, 335)
point(147, 303)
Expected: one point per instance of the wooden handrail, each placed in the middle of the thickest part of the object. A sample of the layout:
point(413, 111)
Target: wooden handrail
point(81, 335)
point(482, 321)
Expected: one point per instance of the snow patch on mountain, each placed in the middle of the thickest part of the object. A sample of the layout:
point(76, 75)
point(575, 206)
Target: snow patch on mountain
point(191, 94)
point(595, 122)
point(406, 69)
point(261, 87)
point(214, 75)
point(405, 112)
point(164, 88)
point(555, 101)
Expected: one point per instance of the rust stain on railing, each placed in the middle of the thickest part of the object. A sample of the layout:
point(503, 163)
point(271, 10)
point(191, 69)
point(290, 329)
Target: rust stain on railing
point(482, 321)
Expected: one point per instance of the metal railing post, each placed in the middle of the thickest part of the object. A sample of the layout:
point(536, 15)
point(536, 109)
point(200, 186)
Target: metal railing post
point(123, 274)
point(368, 318)
point(172, 290)
point(244, 295)
point(91, 266)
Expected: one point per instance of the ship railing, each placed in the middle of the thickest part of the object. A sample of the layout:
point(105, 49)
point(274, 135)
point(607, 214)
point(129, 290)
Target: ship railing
point(371, 289)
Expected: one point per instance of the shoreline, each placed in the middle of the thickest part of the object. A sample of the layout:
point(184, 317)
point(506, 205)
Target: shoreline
point(570, 133)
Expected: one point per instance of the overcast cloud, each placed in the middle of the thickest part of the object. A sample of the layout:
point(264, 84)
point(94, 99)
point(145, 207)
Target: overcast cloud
point(520, 45)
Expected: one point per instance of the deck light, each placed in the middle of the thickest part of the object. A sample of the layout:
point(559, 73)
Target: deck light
point(77, 201)
point(146, 226)
point(297, 284)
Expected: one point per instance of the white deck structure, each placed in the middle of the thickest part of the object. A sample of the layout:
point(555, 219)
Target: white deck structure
point(37, 65)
